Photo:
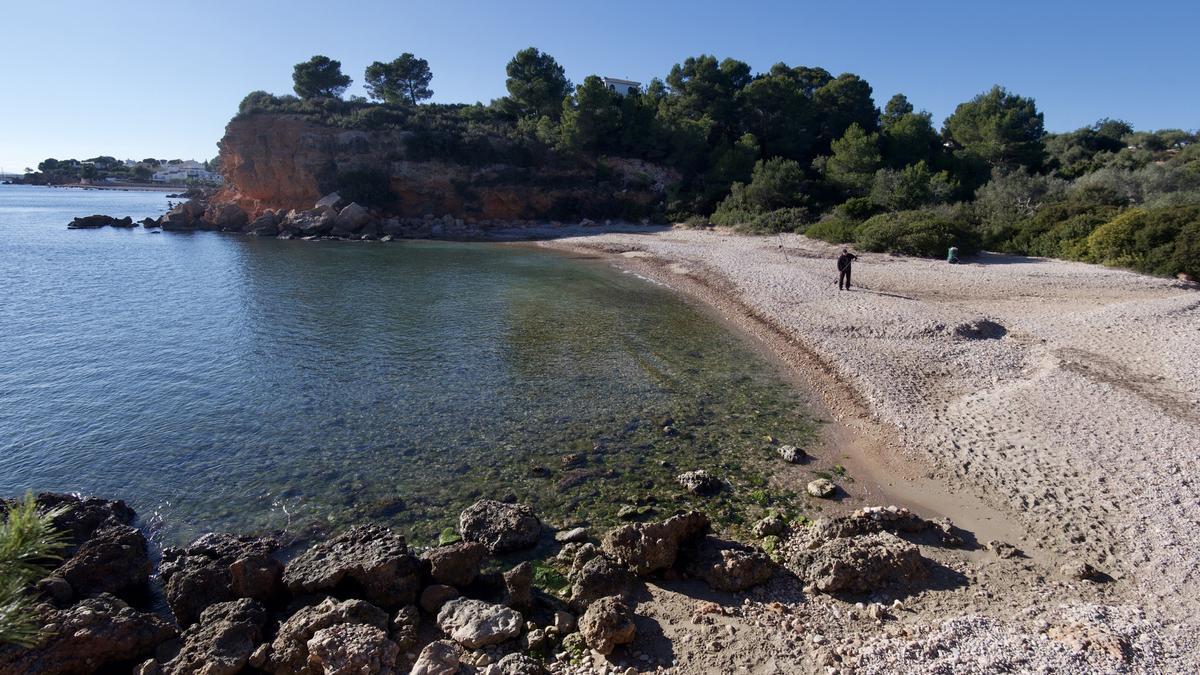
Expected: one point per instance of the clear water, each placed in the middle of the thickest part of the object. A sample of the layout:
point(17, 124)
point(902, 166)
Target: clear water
point(224, 382)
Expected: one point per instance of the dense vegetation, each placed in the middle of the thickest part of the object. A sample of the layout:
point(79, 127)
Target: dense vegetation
point(799, 149)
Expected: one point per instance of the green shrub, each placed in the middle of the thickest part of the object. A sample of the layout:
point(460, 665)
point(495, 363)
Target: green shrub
point(834, 229)
point(1156, 241)
point(28, 544)
point(926, 232)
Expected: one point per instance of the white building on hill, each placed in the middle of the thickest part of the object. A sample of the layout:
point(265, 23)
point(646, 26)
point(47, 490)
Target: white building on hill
point(622, 87)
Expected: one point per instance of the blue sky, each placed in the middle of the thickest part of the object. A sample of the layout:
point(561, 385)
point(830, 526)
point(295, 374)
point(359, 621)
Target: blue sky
point(138, 79)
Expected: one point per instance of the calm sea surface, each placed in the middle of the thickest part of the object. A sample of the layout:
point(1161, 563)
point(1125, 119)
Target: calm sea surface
point(226, 382)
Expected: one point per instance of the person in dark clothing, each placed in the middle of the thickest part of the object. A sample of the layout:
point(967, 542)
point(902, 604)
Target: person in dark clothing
point(844, 261)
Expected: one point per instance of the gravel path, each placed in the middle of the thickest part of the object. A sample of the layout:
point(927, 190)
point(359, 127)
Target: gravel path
point(1066, 396)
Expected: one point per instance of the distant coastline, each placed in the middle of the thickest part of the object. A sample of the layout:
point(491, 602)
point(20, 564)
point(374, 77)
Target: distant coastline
point(115, 186)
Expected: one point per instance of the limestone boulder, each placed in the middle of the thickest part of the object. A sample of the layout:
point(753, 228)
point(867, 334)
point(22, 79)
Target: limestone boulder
point(440, 657)
point(475, 623)
point(861, 564)
point(499, 526)
point(367, 560)
point(729, 566)
point(221, 642)
point(608, 622)
point(646, 548)
point(289, 652)
point(455, 564)
point(352, 649)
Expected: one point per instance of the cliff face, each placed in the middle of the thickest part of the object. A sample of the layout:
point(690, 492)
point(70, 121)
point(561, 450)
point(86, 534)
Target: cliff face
point(283, 161)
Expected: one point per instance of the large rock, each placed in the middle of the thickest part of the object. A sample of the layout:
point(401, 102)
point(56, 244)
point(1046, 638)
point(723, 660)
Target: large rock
point(186, 216)
point(219, 568)
point(729, 566)
point(226, 216)
point(498, 526)
point(440, 657)
point(597, 578)
point(86, 638)
point(699, 482)
point(289, 650)
point(352, 649)
point(367, 560)
point(475, 623)
point(223, 640)
point(332, 200)
point(92, 222)
point(351, 219)
point(821, 487)
point(310, 223)
point(455, 564)
point(652, 547)
point(266, 225)
point(859, 564)
point(114, 560)
point(518, 586)
point(606, 624)
point(79, 517)
point(436, 595)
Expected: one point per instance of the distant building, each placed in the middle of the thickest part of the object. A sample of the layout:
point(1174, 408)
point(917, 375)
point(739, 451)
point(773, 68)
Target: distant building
point(185, 171)
point(622, 87)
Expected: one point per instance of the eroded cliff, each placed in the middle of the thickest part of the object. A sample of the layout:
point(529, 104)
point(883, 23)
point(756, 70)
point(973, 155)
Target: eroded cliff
point(283, 162)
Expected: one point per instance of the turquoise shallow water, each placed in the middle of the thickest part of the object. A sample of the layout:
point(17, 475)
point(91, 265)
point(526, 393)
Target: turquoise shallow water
point(224, 382)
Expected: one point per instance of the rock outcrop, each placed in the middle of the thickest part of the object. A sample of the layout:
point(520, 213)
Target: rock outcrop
point(287, 161)
point(455, 564)
point(289, 651)
point(87, 637)
point(499, 526)
point(366, 561)
point(606, 624)
point(219, 568)
point(475, 623)
point(728, 566)
point(860, 564)
point(653, 547)
point(222, 641)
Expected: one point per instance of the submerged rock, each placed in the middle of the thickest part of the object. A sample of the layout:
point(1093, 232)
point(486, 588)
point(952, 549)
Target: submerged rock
point(652, 547)
point(608, 622)
point(699, 482)
point(366, 559)
point(475, 623)
point(791, 454)
point(498, 526)
point(87, 637)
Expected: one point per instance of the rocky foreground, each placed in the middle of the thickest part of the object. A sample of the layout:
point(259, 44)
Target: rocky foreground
point(365, 602)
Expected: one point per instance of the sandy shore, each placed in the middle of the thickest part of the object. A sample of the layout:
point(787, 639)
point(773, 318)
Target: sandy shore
point(1052, 405)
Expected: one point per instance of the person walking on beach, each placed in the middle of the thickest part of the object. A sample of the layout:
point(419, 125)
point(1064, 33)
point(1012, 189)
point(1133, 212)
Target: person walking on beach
point(844, 261)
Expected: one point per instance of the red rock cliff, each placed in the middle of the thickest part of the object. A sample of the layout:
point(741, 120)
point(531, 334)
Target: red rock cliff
point(283, 161)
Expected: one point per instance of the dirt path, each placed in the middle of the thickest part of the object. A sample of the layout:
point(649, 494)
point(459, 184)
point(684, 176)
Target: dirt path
point(1048, 404)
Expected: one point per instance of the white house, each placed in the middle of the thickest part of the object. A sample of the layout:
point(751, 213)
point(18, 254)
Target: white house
point(622, 87)
point(185, 171)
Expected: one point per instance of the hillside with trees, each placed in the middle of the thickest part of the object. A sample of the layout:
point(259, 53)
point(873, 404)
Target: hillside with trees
point(799, 149)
